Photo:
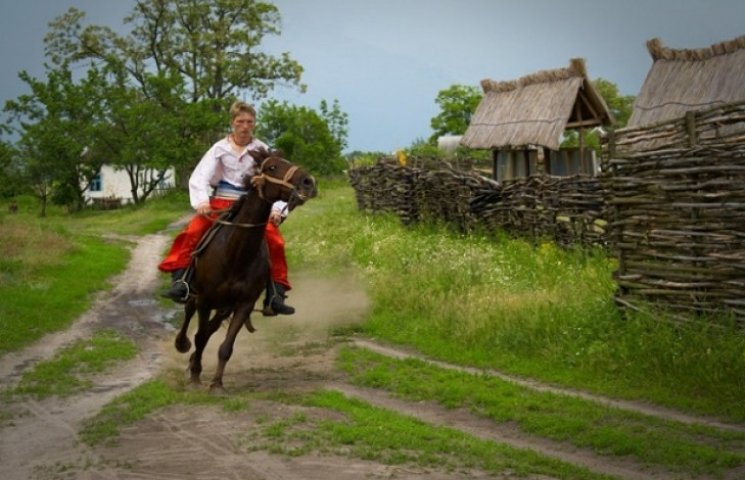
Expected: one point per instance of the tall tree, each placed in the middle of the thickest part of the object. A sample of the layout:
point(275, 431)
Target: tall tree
point(457, 105)
point(212, 44)
point(304, 136)
point(57, 123)
point(143, 139)
point(337, 121)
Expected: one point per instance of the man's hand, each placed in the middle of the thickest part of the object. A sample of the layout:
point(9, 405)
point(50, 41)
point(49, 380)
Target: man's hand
point(204, 209)
point(275, 218)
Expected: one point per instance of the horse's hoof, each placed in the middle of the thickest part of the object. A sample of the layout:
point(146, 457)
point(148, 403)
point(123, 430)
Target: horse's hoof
point(218, 390)
point(249, 326)
point(182, 344)
point(194, 386)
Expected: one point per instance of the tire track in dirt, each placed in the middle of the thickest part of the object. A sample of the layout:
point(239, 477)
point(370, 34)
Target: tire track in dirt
point(464, 421)
point(628, 405)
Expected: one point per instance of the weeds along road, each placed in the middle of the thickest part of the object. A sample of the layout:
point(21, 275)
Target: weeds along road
point(39, 439)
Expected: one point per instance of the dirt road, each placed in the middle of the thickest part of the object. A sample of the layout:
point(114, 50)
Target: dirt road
point(39, 440)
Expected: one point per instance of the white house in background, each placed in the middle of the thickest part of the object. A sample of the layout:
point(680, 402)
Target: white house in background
point(449, 143)
point(111, 187)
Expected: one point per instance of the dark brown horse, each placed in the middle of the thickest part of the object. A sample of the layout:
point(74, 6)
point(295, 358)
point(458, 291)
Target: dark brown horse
point(232, 271)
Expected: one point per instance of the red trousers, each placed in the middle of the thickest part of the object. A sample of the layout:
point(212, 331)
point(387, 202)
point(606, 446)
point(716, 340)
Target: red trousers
point(180, 255)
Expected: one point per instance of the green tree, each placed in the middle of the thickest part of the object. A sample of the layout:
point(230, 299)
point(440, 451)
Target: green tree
point(186, 57)
point(57, 124)
point(337, 121)
point(457, 105)
point(619, 105)
point(144, 139)
point(12, 181)
point(212, 44)
point(303, 135)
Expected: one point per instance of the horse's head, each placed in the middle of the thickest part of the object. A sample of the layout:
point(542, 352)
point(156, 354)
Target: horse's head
point(278, 179)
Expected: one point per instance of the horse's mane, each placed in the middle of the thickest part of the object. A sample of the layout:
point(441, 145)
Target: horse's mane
point(236, 206)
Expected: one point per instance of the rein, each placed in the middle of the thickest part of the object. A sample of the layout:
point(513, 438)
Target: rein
point(242, 225)
point(259, 181)
point(226, 222)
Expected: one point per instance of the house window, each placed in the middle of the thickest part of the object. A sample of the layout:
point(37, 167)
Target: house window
point(95, 185)
point(163, 181)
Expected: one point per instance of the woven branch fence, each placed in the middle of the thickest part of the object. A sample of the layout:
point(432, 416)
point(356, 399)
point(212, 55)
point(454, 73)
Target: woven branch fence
point(569, 210)
point(671, 206)
point(677, 195)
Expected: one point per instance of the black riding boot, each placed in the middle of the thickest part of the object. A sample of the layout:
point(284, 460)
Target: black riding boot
point(274, 301)
point(179, 291)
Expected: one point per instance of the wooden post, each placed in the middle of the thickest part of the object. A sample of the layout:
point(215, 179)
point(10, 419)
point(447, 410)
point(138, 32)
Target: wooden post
point(495, 157)
point(610, 151)
point(691, 128)
point(578, 111)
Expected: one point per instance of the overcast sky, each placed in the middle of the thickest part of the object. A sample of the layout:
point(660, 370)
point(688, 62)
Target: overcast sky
point(386, 60)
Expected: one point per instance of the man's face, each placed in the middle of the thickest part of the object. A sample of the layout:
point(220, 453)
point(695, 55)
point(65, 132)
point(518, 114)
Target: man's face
point(243, 127)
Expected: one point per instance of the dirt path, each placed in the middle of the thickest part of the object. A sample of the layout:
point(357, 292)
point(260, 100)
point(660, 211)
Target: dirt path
point(285, 354)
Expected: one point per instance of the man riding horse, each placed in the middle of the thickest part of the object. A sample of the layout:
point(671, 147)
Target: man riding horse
point(215, 183)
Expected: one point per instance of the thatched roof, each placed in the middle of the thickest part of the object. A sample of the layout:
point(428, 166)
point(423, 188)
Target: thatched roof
point(536, 109)
point(684, 80)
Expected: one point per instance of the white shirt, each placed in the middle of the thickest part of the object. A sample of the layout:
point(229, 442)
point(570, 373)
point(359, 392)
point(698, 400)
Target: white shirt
point(221, 162)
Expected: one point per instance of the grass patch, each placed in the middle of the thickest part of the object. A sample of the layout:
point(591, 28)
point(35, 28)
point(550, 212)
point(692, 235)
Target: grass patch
point(152, 217)
point(52, 266)
point(359, 431)
point(374, 434)
point(69, 371)
point(45, 289)
point(605, 430)
point(138, 403)
point(533, 310)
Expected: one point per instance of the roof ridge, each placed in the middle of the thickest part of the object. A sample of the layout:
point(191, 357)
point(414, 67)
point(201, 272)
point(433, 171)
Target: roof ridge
point(659, 52)
point(576, 68)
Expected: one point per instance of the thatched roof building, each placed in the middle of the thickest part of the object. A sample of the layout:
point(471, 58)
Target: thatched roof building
point(684, 80)
point(536, 109)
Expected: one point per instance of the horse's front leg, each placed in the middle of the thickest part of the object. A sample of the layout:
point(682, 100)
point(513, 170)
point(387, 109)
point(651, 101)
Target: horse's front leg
point(241, 316)
point(183, 344)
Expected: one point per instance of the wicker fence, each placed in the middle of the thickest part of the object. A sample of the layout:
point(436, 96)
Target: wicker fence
point(569, 210)
point(677, 194)
point(672, 206)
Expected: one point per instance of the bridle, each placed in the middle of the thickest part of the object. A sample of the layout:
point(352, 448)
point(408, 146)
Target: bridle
point(259, 181)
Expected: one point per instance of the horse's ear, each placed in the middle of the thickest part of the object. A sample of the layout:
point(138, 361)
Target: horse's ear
point(260, 154)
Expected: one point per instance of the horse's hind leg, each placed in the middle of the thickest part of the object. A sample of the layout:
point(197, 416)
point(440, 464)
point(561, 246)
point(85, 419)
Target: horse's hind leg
point(240, 317)
point(182, 342)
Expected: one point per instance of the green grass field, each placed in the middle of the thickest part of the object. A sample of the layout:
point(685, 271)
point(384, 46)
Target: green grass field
point(486, 301)
point(532, 310)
